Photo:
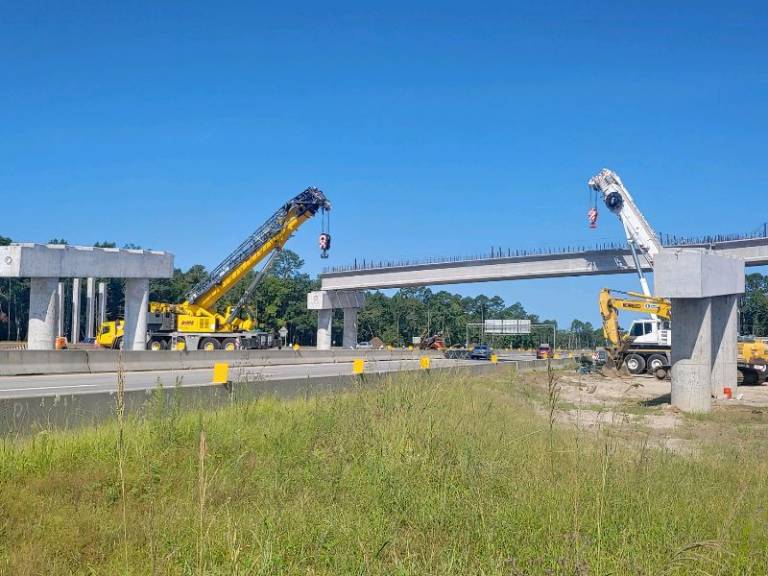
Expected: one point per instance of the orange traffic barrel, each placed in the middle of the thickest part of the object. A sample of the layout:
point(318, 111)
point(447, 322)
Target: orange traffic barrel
point(61, 342)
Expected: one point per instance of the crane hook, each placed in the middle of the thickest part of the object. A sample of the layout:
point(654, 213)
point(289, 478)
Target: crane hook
point(325, 237)
point(592, 214)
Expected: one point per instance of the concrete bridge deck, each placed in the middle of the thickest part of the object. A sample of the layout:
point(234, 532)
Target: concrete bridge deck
point(754, 252)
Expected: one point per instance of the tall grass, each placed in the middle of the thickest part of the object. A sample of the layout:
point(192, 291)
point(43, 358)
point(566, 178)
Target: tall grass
point(120, 415)
point(429, 474)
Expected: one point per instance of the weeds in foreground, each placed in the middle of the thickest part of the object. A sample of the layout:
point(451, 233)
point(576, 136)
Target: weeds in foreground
point(426, 474)
point(553, 395)
point(201, 490)
point(120, 413)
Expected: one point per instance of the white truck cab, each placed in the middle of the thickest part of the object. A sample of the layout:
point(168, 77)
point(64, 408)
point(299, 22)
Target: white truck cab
point(651, 332)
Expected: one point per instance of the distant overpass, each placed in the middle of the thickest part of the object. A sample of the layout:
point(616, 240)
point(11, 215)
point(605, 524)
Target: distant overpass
point(518, 265)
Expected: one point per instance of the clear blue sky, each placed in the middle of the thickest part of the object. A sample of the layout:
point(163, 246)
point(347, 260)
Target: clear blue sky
point(435, 129)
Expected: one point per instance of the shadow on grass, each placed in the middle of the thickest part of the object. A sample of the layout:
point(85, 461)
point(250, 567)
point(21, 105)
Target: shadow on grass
point(658, 401)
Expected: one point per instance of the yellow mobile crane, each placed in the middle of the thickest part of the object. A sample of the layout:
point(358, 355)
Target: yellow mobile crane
point(194, 324)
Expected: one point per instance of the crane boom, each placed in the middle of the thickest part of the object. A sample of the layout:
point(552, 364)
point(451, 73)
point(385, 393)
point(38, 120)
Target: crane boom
point(270, 236)
point(640, 236)
point(195, 324)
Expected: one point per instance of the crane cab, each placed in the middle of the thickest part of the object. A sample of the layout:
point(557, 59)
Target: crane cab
point(651, 332)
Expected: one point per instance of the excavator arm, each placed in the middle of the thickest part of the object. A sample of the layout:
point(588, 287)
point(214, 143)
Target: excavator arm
point(610, 306)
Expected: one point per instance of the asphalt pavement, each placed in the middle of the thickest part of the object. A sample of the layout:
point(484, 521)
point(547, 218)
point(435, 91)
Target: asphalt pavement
point(58, 384)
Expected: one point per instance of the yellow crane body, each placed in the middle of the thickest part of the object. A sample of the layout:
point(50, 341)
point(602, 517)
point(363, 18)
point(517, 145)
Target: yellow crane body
point(210, 298)
point(196, 321)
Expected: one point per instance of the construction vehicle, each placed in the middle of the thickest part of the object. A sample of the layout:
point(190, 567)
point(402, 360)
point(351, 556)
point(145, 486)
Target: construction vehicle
point(647, 344)
point(434, 342)
point(195, 324)
point(753, 361)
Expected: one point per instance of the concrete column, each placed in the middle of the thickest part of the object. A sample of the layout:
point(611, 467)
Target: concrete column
point(692, 354)
point(90, 306)
point(41, 334)
point(349, 338)
point(60, 309)
point(136, 308)
point(102, 303)
point(324, 322)
point(75, 311)
point(725, 328)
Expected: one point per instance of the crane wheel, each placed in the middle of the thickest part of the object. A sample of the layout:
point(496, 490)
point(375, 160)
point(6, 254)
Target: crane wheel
point(749, 378)
point(655, 362)
point(635, 364)
point(181, 344)
point(209, 344)
point(157, 344)
point(229, 344)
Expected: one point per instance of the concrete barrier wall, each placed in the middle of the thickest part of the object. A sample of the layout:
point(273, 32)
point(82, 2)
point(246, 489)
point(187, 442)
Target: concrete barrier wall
point(20, 416)
point(31, 362)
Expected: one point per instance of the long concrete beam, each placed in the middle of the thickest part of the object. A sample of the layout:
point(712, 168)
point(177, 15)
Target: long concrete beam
point(754, 252)
point(60, 261)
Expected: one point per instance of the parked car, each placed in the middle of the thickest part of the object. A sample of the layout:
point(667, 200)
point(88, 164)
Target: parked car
point(544, 351)
point(365, 345)
point(481, 352)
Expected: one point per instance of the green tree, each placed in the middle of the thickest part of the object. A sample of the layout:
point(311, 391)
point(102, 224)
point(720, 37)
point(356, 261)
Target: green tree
point(754, 305)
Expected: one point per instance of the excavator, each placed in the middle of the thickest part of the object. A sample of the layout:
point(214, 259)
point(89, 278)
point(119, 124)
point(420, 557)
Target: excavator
point(194, 323)
point(647, 344)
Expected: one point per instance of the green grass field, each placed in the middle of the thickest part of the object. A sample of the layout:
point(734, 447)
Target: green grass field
point(440, 474)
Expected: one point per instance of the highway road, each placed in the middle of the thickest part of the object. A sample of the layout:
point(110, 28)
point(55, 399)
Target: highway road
point(59, 384)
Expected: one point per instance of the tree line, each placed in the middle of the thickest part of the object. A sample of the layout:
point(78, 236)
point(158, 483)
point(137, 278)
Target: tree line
point(280, 300)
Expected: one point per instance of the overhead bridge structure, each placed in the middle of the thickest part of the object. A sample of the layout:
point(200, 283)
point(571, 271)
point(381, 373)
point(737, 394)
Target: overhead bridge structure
point(343, 284)
point(503, 266)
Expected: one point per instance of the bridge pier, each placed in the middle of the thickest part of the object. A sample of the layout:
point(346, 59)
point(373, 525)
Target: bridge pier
point(43, 313)
point(47, 264)
point(136, 306)
point(349, 338)
point(704, 289)
point(325, 302)
point(324, 324)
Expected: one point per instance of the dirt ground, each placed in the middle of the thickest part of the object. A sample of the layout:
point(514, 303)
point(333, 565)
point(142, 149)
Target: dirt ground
point(632, 403)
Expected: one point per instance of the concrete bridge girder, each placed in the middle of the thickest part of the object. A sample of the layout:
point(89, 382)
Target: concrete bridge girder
point(753, 252)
